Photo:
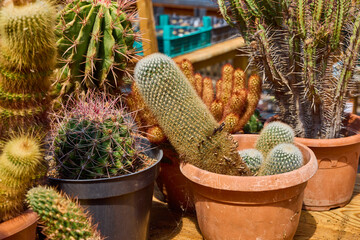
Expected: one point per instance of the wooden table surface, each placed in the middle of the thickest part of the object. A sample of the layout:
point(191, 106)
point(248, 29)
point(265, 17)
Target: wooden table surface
point(337, 224)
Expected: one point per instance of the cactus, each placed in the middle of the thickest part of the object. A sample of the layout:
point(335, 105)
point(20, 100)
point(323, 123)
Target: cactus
point(21, 162)
point(61, 217)
point(95, 42)
point(254, 125)
point(253, 158)
point(284, 157)
point(273, 134)
point(27, 59)
point(94, 139)
point(296, 45)
point(184, 118)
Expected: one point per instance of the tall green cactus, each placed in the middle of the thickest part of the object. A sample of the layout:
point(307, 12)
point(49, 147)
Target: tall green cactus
point(61, 217)
point(20, 164)
point(297, 44)
point(27, 59)
point(184, 118)
point(95, 42)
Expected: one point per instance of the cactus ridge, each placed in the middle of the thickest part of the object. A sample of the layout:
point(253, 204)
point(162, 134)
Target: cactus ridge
point(61, 217)
point(184, 118)
point(253, 158)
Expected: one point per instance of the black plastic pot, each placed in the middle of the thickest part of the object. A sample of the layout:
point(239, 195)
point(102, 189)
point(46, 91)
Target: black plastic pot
point(120, 205)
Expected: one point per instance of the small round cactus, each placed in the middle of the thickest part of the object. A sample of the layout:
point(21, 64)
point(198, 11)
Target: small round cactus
point(62, 218)
point(273, 134)
point(283, 158)
point(253, 158)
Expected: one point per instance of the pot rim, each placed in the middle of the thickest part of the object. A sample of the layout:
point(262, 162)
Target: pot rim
point(18, 224)
point(158, 158)
point(252, 183)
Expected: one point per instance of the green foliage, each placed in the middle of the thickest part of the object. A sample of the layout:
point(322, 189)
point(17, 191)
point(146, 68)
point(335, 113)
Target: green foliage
point(184, 118)
point(27, 59)
point(20, 164)
point(95, 42)
point(282, 158)
point(62, 218)
point(296, 44)
point(253, 159)
point(254, 125)
point(273, 134)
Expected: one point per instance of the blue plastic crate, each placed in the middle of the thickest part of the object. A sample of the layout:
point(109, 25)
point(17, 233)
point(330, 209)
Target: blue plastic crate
point(193, 38)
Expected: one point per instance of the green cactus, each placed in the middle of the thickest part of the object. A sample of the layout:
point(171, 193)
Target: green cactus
point(93, 139)
point(95, 42)
point(282, 158)
point(296, 45)
point(20, 164)
point(184, 118)
point(27, 59)
point(61, 218)
point(253, 158)
point(273, 134)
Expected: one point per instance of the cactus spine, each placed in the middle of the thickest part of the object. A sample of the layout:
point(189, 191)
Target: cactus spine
point(95, 42)
point(27, 59)
point(297, 44)
point(253, 158)
point(185, 119)
point(20, 164)
point(61, 218)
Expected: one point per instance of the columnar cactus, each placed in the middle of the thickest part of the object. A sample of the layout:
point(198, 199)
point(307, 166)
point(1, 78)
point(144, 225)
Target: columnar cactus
point(185, 119)
point(297, 44)
point(95, 42)
point(21, 162)
point(27, 59)
point(253, 158)
point(282, 158)
point(61, 218)
point(94, 139)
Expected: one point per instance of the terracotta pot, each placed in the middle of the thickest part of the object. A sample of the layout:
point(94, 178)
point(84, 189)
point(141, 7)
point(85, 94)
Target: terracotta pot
point(22, 227)
point(338, 159)
point(254, 207)
point(172, 183)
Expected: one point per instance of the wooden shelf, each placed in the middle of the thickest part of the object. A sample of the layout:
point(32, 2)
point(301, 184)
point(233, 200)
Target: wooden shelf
point(338, 224)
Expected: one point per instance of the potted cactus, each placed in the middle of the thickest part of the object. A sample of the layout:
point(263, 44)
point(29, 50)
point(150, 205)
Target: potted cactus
point(97, 158)
point(245, 206)
point(307, 51)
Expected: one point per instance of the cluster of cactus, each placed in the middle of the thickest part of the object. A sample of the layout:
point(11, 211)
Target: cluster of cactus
point(274, 151)
point(27, 60)
point(21, 163)
point(297, 44)
point(93, 138)
point(233, 102)
point(185, 119)
point(95, 44)
point(61, 218)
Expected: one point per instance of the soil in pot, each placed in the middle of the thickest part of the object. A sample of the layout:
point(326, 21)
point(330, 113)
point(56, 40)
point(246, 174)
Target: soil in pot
point(22, 227)
point(254, 207)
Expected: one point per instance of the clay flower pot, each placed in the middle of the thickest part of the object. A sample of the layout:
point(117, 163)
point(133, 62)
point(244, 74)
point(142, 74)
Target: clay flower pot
point(338, 159)
point(22, 227)
point(254, 207)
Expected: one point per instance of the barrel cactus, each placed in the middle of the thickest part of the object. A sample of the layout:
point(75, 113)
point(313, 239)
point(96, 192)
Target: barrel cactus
point(21, 162)
point(27, 60)
point(94, 138)
point(184, 118)
point(95, 42)
point(61, 218)
point(253, 158)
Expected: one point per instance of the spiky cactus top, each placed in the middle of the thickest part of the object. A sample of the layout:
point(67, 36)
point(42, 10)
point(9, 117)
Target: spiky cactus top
point(27, 59)
point(297, 44)
point(61, 218)
point(93, 138)
point(95, 42)
point(185, 119)
point(20, 164)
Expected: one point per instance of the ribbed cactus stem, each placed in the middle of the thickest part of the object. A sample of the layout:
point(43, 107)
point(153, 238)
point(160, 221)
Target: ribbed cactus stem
point(253, 159)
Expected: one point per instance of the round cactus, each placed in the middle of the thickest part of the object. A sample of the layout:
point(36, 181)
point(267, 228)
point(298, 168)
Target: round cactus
point(273, 134)
point(283, 158)
point(253, 158)
point(94, 139)
point(62, 218)
point(95, 43)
